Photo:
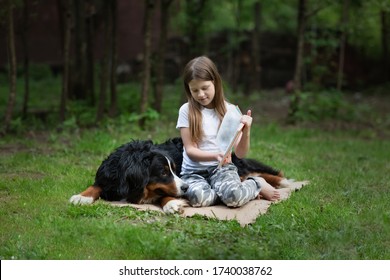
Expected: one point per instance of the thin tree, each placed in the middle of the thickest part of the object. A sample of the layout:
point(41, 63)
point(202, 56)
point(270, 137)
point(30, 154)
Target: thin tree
point(256, 47)
point(160, 64)
point(90, 69)
point(79, 67)
point(302, 18)
point(113, 58)
point(236, 43)
point(12, 66)
point(67, 25)
point(149, 6)
point(104, 74)
point(196, 15)
point(26, 58)
point(385, 32)
point(343, 38)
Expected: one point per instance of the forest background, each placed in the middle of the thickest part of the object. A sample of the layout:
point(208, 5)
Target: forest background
point(311, 49)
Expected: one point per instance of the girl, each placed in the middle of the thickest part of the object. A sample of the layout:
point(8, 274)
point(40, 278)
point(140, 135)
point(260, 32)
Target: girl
point(198, 121)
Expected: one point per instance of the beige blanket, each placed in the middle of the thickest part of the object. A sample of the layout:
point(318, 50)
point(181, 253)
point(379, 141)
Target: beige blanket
point(245, 215)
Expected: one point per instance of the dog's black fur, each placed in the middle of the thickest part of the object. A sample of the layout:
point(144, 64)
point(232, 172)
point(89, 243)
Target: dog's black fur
point(132, 166)
point(142, 172)
point(246, 166)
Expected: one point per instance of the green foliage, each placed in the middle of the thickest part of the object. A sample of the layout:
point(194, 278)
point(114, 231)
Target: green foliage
point(45, 92)
point(324, 105)
point(280, 17)
point(365, 29)
point(39, 72)
point(128, 97)
point(277, 16)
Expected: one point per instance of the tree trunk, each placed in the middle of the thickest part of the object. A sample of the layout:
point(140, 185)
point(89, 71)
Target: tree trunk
point(343, 38)
point(26, 58)
point(61, 19)
point(104, 74)
point(300, 45)
point(79, 67)
point(164, 21)
point(385, 30)
point(295, 102)
point(12, 67)
point(196, 12)
point(236, 53)
point(67, 22)
point(147, 60)
point(256, 48)
point(113, 95)
point(90, 63)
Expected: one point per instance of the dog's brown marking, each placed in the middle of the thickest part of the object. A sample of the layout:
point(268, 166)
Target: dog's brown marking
point(153, 192)
point(92, 191)
point(273, 180)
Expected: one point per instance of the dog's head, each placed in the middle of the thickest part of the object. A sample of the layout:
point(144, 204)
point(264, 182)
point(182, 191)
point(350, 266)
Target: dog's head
point(152, 177)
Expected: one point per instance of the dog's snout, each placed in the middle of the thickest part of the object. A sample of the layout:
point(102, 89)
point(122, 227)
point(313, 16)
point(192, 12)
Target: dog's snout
point(184, 187)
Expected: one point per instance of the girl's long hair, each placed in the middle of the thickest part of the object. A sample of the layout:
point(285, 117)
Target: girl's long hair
point(203, 69)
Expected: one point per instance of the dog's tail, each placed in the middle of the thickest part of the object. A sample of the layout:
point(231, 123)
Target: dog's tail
point(248, 165)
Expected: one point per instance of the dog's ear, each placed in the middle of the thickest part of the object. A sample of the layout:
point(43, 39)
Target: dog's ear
point(137, 176)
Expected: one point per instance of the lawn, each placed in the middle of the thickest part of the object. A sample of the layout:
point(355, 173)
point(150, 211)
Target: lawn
point(343, 213)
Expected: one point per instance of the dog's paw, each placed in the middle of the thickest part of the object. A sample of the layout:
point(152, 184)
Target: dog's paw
point(285, 183)
point(79, 199)
point(175, 206)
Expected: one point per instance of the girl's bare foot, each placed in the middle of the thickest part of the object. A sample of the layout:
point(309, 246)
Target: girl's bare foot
point(269, 193)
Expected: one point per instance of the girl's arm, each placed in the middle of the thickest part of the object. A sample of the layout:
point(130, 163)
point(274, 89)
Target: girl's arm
point(193, 151)
point(243, 144)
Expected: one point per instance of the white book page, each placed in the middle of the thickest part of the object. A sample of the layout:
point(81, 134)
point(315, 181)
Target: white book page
point(227, 132)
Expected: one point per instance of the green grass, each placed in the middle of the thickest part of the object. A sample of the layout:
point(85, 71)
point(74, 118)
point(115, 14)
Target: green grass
point(342, 214)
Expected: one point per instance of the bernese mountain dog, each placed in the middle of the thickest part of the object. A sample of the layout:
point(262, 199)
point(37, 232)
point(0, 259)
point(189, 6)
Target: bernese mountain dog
point(143, 172)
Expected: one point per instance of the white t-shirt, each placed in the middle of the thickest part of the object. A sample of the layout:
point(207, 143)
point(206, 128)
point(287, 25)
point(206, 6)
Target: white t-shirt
point(210, 125)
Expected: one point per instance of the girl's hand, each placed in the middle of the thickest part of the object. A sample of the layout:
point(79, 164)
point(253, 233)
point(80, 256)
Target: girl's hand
point(247, 119)
point(227, 160)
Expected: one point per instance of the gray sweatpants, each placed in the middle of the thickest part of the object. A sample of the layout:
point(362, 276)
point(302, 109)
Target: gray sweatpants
point(207, 187)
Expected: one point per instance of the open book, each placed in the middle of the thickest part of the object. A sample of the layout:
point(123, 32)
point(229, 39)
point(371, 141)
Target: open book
point(229, 131)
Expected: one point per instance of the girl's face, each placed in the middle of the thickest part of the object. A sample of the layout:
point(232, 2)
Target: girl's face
point(203, 92)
